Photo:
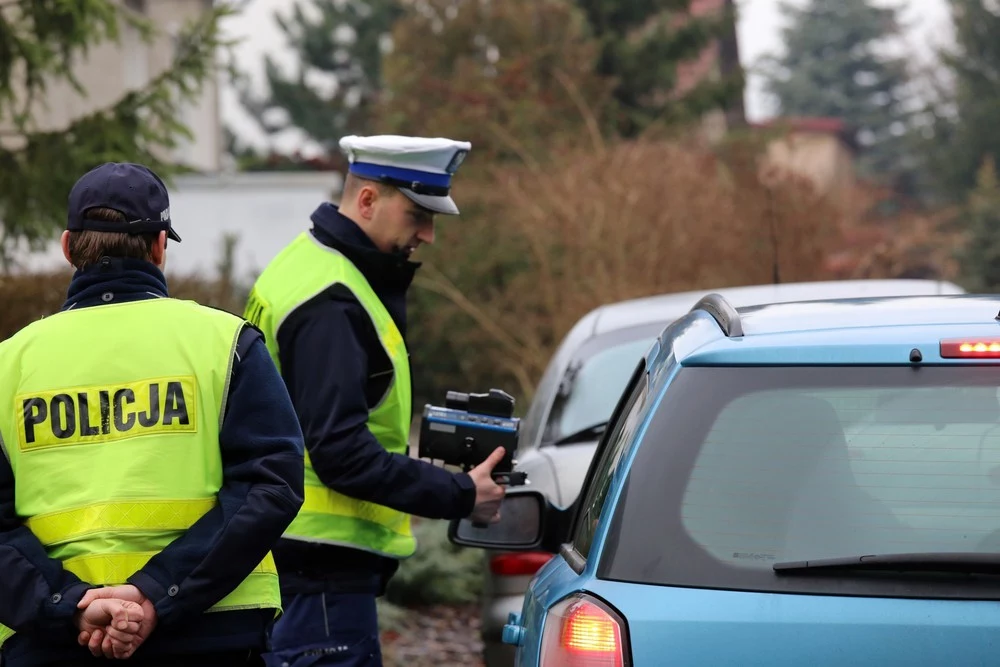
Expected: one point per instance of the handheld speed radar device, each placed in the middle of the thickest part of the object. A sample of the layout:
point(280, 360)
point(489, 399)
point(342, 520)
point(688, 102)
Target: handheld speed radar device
point(468, 428)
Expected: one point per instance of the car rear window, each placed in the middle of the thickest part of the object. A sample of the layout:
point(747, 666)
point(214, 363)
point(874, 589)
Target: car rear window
point(742, 468)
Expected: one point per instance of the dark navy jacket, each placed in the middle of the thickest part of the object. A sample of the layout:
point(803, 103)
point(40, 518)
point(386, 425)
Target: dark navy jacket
point(262, 447)
point(336, 369)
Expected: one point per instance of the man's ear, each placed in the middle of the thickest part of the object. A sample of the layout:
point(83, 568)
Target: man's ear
point(64, 242)
point(159, 249)
point(367, 196)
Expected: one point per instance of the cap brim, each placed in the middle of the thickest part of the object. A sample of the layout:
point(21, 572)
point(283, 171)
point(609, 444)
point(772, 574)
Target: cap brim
point(172, 235)
point(443, 205)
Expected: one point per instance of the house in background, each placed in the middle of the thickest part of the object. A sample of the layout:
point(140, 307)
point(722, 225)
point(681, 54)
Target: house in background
point(822, 150)
point(110, 70)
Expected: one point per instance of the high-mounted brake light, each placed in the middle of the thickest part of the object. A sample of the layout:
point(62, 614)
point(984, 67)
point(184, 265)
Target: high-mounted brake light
point(583, 632)
point(970, 348)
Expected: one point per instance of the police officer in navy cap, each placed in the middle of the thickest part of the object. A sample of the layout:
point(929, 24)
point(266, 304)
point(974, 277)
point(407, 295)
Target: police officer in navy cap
point(332, 308)
point(152, 457)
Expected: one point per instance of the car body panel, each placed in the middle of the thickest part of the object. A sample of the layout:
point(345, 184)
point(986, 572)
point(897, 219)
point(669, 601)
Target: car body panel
point(875, 347)
point(851, 313)
point(553, 582)
point(693, 627)
point(568, 467)
point(503, 595)
point(559, 471)
point(540, 469)
point(671, 306)
point(696, 626)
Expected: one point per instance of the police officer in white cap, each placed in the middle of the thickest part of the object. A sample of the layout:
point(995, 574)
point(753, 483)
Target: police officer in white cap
point(332, 308)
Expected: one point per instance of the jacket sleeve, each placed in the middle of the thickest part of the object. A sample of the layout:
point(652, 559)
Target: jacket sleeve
point(262, 458)
point(37, 596)
point(325, 366)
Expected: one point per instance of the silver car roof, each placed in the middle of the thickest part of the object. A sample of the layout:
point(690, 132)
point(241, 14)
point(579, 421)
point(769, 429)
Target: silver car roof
point(648, 310)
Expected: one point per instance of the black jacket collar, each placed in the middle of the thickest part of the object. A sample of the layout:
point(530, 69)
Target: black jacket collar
point(115, 280)
point(384, 271)
point(389, 275)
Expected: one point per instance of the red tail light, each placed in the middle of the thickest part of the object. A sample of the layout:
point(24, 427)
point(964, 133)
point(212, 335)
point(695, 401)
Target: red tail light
point(583, 632)
point(979, 348)
point(512, 565)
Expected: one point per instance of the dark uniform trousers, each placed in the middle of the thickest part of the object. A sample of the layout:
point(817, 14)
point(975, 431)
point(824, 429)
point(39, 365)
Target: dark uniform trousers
point(326, 629)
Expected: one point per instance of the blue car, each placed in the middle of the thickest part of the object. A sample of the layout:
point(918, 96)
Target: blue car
point(812, 483)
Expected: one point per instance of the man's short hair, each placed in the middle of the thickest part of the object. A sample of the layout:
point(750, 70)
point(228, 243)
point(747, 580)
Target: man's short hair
point(87, 247)
point(354, 183)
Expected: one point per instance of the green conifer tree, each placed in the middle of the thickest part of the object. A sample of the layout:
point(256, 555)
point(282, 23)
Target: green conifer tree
point(40, 40)
point(832, 66)
point(339, 45)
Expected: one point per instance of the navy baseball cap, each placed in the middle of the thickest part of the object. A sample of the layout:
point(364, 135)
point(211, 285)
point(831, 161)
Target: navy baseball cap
point(131, 189)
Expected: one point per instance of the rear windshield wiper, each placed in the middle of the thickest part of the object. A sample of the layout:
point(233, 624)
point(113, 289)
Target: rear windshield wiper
point(906, 562)
point(584, 434)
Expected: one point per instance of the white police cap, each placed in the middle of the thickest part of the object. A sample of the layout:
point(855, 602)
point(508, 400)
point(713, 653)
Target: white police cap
point(420, 167)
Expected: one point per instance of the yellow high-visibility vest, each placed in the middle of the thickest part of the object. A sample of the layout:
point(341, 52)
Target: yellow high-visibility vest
point(302, 270)
point(110, 418)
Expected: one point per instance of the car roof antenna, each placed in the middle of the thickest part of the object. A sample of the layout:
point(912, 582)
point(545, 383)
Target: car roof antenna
point(775, 270)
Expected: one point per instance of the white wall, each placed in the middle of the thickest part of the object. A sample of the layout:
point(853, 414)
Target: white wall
point(267, 211)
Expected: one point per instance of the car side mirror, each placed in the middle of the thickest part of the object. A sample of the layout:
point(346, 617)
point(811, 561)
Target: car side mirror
point(527, 523)
point(522, 517)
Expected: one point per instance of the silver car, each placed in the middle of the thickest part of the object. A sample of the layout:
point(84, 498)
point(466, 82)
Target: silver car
point(578, 392)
